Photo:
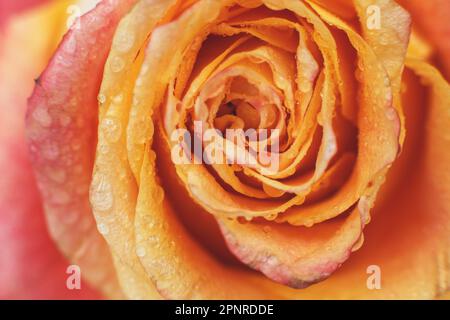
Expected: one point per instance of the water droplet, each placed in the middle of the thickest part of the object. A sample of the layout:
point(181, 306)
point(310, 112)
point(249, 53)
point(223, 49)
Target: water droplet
point(267, 229)
point(145, 69)
point(42, 116)
point(124, 40)
point(70, 45)
point(112, 129)
point(101, 193)
point(101, 98)
point(118, 99)
point(308, 223)
point(272, 261)
point(117, 64)
point(103, 229)
point(330, 149)
point(62, 61)
point(140, 252)
point(122, 174)
point(103, 148)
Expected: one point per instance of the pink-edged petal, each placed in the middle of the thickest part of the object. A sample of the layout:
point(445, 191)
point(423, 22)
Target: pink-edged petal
point(292, 255)
point(61, 130)
point(31, 267)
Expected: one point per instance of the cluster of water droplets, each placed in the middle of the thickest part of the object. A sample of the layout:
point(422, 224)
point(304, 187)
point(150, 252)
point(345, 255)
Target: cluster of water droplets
point(101, 194)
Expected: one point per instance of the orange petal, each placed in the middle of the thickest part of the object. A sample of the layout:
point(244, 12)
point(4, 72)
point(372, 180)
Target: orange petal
point(431, 21)
point(408, 237)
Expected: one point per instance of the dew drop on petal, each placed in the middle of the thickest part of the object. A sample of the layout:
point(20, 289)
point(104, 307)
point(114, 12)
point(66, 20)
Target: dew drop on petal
point(101, 98)
point(118, 99)
point(101, 193)
point(103, 229)
point(308, 223)
point(272, 261)
point(103, 148)
point(42, 116)
point(139, 82)
point(140, 251)
point(122, 174)
point(70, 44)
point(145, 69)
point(112, 129)
point(124, 41)
point(117, 64)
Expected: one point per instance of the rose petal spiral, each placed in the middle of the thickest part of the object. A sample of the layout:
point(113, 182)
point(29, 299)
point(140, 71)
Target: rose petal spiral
point(335, 97)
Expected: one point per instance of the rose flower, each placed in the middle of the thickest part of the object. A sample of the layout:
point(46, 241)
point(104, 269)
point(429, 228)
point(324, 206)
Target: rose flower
point(143, 189)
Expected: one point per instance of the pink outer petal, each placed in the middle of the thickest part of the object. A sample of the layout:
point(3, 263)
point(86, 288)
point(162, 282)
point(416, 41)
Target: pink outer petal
point(62, 136)
point(31, 267)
